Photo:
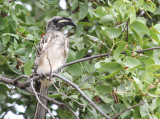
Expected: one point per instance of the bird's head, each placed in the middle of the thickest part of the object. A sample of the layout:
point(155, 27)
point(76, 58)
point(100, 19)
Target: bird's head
point(57, 23)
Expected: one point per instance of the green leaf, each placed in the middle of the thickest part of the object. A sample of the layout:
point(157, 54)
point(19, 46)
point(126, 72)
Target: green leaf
point(111, 74)
point(138, 37)
point(106, 19)
point(154, 35)
point(132, 14)
point(5, 39)
point(103, 89)
point(143, 110)
point(3, 23)
point(80, 54)
point(29, 20)
point(12, 13)
point(83, 11)
point(149, 6)
point(106, 108)
point(75, 69)
point(139, 85)
point(55, 95)
point(131, 62)
point(79, 30)
point(147, 60)
point(85, 23)
point(139, 3)
point(2, 47)
point(67, 75)
point(74, 5)
point(11, 34)
point(152, 68)
point(22, 30)
point(23, 91)
point(21, 51)
point(64, 114)
point(27, 67)
point(157, 91)
point(15, 44)
point(141, 19)
point(63, 14)
point(74, 96)
point(110, 67)
point(3, 89)
point(114, 33)
point(119, 49)
point(140, 28)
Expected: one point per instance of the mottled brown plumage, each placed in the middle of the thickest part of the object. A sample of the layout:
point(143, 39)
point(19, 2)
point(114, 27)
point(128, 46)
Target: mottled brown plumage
point(51, 54)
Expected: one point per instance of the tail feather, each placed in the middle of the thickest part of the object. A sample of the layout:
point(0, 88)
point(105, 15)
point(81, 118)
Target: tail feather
point(40, 112)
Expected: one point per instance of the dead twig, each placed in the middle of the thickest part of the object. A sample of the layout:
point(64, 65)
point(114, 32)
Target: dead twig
point(87, 78)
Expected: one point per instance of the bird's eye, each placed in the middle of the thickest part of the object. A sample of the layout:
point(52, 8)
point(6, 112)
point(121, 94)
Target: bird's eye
point(54, 20)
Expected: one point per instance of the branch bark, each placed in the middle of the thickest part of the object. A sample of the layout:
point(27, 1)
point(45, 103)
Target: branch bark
point(81, 92)
point(19, 84)
point(116, 116)
point(60, 104)
point(16, 82)
point(105, 54)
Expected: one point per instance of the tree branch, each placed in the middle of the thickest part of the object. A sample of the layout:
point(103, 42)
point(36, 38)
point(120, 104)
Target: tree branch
point(105, 54)
point(125, 110)
point(36, 95)
point(24, 84)
point(87, 78)
point(19, 78)
point(61, 105)
point(19, 84)
point(81, 92)
point(116, 116)
point(66, 95)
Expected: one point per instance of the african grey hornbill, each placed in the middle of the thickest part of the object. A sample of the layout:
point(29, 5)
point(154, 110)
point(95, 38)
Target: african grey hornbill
point(51, 54)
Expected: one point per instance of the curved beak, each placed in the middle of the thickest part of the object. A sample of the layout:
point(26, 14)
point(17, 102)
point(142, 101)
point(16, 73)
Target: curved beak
point(71, 22)
point(67, 21)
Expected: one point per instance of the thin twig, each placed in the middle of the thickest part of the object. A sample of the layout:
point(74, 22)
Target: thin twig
point(60, 104)
point(127, 28)
point(24, 84)
point(117, 115)
point(100, 48)
point(106, 54)
point(87, 78)
point(142, 103)
point(147, 110)
point(19, 78)
point(66, 95)
point(31, 82)
point(124, 28)
point(82, 93)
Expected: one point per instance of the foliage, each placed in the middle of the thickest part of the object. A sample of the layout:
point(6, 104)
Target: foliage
point(121, 80)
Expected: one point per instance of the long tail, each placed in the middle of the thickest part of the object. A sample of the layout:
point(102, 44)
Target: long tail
point(40, 112)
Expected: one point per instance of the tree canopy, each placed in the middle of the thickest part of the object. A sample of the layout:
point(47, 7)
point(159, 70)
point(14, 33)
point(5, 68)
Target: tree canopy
point(114, 58)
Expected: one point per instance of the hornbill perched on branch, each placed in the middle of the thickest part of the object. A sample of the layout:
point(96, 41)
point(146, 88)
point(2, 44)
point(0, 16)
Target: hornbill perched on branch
point(50, 55)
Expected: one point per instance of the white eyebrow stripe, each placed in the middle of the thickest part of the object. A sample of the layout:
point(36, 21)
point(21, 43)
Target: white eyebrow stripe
point(62, 21)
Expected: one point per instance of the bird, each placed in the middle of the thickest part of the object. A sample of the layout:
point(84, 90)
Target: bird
point(50, 55)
